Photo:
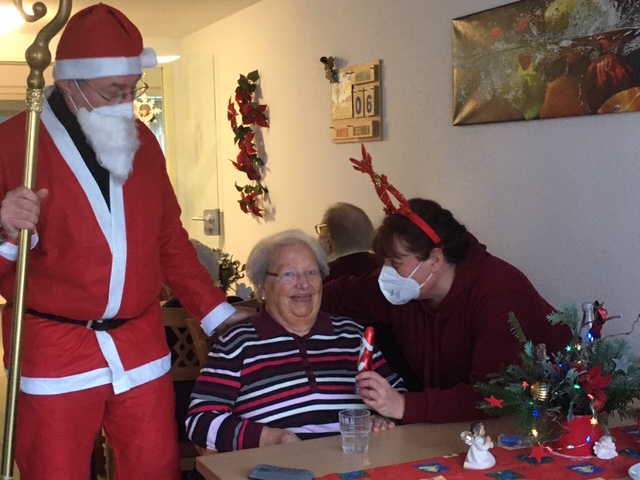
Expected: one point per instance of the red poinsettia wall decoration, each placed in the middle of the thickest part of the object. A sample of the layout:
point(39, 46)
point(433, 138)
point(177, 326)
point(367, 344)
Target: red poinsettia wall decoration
point(252, 115)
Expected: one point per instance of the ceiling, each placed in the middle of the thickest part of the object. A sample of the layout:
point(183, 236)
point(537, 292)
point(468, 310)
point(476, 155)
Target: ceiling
point(158, 18)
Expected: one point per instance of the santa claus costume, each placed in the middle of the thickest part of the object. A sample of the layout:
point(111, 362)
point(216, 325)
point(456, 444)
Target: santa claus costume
point(94, 352)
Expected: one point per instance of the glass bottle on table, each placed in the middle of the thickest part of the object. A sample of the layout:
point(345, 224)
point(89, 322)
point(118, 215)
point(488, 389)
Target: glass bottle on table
point(587, 322)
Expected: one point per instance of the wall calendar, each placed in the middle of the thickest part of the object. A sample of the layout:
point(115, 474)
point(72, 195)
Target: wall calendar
point(356, 98)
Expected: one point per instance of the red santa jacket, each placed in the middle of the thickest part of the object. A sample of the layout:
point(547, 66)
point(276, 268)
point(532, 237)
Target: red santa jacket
point(94, 262)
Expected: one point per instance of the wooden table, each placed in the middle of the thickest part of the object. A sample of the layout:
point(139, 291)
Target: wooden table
point(324, 455)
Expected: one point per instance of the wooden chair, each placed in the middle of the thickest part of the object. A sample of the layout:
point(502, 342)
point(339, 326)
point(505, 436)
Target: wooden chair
point(201, 343)
point(252, 303)
point(185, 367)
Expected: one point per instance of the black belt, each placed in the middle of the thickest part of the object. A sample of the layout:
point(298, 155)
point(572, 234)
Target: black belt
point(101, 325)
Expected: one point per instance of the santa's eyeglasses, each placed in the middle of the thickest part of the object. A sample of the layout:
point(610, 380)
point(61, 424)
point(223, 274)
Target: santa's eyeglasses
point(121, 95)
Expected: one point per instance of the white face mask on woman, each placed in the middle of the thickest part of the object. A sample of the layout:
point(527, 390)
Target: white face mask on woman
point(397, 289)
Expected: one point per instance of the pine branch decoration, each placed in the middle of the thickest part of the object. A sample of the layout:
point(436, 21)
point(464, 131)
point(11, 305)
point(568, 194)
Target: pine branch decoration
point(592, 376)
point(516, 328)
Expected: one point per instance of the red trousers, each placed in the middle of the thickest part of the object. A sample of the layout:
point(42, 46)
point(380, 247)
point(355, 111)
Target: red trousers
point(55, 433)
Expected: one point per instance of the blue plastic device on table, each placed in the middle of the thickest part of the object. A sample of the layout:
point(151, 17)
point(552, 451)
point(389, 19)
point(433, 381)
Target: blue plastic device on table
point(514, 441)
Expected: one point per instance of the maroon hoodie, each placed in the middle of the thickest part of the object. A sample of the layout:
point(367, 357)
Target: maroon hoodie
point(450, 347)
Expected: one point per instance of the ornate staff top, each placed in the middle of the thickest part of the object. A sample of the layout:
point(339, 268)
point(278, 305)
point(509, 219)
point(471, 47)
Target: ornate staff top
point(38, 55)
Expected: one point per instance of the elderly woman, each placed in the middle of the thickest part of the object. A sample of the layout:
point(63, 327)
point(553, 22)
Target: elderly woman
point(283, 375)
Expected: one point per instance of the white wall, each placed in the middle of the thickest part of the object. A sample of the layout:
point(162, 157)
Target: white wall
point(557, 198)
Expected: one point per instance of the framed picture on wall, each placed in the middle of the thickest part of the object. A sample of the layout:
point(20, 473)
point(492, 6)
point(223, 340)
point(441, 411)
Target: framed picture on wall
point(538, 59)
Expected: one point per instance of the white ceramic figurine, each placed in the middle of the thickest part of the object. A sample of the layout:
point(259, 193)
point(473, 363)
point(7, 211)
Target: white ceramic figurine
point(605, 448)
point(478, 457)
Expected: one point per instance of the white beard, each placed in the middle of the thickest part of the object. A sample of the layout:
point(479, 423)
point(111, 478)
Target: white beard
point(114, 139)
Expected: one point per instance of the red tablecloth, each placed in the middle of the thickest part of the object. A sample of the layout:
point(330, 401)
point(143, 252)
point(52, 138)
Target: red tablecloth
point(514, 464)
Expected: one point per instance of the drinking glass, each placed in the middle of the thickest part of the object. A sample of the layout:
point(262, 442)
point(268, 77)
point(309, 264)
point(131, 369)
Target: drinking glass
point(355, 425)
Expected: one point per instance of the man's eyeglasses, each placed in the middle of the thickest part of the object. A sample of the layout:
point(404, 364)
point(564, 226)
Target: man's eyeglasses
point(291, 276)
point(122, 95)
point(319, 228)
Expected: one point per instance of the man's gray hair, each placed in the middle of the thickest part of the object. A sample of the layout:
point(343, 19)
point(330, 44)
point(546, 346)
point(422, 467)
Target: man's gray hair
point(208, 258)
point(349, 228)
point(263, 252)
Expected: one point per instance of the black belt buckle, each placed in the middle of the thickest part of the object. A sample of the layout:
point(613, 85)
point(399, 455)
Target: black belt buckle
point(104, 325)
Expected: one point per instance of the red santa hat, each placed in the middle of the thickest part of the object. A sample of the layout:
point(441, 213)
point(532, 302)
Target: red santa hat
point(100, 41)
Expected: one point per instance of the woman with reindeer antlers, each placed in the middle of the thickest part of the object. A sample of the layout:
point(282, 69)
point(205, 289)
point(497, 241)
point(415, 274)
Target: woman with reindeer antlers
point(446, 300)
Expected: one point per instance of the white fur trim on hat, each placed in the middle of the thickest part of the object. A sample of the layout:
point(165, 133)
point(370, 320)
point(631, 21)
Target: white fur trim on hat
point(86, 68)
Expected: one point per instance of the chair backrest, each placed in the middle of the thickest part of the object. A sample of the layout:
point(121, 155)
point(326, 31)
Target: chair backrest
point(185, 368)
point(185, 363)
point(201, 343)
point(252, 303)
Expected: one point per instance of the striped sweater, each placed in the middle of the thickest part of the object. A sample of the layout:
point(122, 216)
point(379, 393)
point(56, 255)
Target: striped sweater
point(259, 374)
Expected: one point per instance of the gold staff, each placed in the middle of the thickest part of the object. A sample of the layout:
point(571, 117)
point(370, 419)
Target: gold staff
point(38, 58)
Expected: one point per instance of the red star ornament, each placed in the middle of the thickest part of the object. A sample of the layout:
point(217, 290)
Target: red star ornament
point(494, 402)
point(537, 452)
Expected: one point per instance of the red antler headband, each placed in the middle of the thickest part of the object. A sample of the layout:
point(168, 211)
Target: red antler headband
point(384, 188)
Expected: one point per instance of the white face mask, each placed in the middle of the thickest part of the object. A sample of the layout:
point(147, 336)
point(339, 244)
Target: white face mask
point(397, 289)
point(119, 110)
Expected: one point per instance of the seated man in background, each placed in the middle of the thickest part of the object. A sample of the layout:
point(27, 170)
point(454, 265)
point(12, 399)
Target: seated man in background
point(283, 375)
point(346, 234)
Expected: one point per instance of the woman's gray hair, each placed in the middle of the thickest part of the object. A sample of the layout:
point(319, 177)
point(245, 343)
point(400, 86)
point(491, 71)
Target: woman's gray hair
point(263, 251)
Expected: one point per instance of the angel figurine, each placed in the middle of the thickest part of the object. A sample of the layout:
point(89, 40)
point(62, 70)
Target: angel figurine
point(478, 457)
point(605, 448)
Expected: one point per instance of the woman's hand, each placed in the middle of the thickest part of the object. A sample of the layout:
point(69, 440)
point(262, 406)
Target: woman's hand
point(276, 436)
point(381, 424)
point(379, 395)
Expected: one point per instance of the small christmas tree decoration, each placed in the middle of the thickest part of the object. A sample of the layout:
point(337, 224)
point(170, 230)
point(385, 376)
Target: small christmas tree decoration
point(590, 378)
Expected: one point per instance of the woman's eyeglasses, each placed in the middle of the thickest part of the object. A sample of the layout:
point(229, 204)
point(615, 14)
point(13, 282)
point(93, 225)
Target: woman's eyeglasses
point(291, 276)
